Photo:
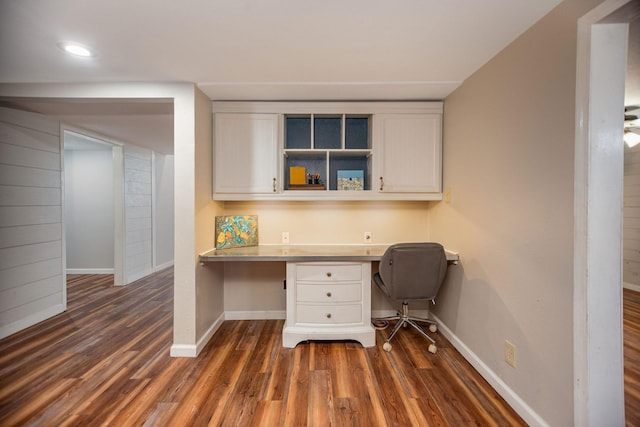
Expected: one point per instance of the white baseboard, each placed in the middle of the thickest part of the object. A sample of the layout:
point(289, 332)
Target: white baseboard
point(631, 286)
point(25, 322)
point(192, 350)
point(255, 315)
point(204, 339)
point(515, 401)
point(519, 405)
point(162, 266)
point(136, 276)
point(183, 350)
point(89, 270)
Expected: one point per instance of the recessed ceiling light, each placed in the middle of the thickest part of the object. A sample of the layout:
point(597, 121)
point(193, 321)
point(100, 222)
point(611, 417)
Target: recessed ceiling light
point(75, 49)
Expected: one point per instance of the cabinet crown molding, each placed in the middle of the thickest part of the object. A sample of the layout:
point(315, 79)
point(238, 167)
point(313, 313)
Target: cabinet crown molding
point(328, 107)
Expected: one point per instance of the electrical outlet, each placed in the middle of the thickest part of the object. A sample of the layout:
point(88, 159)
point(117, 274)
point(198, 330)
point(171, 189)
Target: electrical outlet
point(367, 237)
point(285, 237)
point(510, 353)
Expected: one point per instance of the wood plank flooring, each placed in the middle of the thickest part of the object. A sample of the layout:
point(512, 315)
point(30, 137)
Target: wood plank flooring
point(106, 362)
point(631, 331)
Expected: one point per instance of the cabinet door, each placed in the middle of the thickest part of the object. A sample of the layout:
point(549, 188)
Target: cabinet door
point(245, 153)
point(409, 153)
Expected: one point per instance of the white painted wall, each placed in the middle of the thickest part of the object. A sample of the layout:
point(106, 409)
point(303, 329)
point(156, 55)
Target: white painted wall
point(138, 213)
point(89, 221)
point(32, 283)
point(194, 286)
point(163, 188)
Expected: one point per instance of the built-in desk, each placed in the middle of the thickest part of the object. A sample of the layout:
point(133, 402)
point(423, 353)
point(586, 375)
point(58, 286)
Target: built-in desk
point(304, 253)
point(328, 288)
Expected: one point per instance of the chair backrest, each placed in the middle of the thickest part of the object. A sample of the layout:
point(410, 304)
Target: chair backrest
point(413, 270)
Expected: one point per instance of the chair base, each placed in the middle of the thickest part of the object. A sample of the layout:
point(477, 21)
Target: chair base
point(403, 320)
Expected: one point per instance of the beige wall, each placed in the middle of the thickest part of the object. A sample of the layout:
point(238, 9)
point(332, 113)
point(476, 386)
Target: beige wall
point(336, 222)
point(209, 289)
point(315, 223)
point(508, 161)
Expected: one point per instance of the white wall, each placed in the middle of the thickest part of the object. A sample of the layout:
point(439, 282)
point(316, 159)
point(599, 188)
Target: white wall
point(163, 211)
point(194, 285)
point(89, 221)
point(32, 283)
point(138, 213)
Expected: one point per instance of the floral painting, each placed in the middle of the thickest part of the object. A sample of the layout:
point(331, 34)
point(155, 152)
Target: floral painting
point(236, 230)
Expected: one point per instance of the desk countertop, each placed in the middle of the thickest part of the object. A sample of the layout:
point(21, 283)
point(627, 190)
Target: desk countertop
point(299, 253)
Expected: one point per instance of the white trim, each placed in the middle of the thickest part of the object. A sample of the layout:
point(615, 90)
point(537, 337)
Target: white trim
point(189, 350)
point(513, 399)
point(117, 152)
point(255, 315)
point(31, 320)
point(183, 350)
point(345, 107)
point(162, 266)
point(137, 276)
point(631, 286)
point(119, 223)
point(154, 238)
point(89, 270)
point(63, 219)
point(207, 335)
point(597, 329)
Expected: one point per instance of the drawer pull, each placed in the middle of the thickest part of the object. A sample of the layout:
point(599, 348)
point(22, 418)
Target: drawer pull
point(328, 274)
point(328, 315)
point(329, 294)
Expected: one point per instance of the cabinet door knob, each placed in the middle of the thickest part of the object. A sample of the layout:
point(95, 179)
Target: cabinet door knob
point(328, 315)
point(329, 294)
point(328, 274)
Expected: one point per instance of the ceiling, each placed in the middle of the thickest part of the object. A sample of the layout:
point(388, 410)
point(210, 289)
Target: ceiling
point(251, 50)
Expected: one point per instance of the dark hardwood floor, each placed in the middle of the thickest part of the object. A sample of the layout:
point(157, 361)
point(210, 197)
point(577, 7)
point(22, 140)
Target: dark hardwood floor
point(106, 362)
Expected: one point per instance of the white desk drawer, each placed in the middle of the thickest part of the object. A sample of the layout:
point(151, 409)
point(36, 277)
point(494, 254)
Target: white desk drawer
point(329, 314)
point(329, 272)
point(330, 293)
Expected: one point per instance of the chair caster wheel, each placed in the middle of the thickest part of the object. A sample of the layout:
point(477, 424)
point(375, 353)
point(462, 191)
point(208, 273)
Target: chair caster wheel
point(432, 348)
point(433, 328)
point(386, 346)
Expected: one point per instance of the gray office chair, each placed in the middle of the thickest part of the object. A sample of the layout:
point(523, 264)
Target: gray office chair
point(410, 271)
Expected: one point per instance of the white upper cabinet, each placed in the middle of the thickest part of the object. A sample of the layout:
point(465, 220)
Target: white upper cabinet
point(327, 151)
point(245, 154)
point(409, 153)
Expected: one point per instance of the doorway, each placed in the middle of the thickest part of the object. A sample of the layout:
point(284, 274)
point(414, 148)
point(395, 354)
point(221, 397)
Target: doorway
point(93, 205)
point(599, 154)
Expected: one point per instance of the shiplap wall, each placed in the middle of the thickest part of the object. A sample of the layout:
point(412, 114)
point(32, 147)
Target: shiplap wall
point(138, 213)
point(163, 218)
point(631, 219)
point(32, 286)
